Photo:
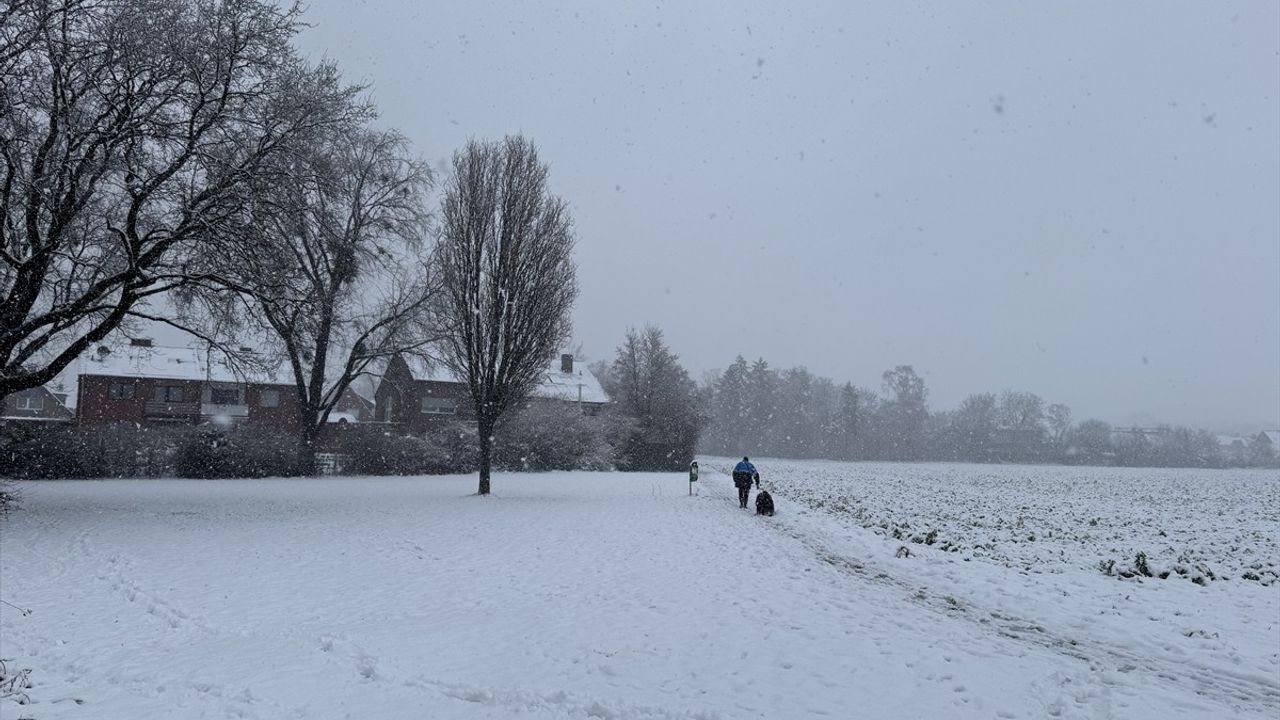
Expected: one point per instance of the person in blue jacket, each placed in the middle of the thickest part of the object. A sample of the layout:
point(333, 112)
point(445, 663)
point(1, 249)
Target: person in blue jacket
point(744, 473)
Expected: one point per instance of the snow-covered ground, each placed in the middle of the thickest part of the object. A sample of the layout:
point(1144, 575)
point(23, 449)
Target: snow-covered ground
point(580, 595)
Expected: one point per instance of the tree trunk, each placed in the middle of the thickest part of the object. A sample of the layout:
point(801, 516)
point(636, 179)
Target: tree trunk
point(306, 462)
point(485, 428)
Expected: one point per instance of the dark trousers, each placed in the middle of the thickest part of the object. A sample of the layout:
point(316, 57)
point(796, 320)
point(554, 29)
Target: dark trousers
point(743, 481)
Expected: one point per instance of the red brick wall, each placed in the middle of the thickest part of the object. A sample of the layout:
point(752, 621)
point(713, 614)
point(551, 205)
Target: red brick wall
point(97, 407)
point(411, 409)
point(403, 395)
point(283, 417)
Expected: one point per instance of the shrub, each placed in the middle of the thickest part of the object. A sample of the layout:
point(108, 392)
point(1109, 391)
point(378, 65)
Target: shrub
point(1140, 565)
point(552, 436)
point(14, 683)
point(58, 451)
point(125, 450)
point(10, 496)
point(372, 450)
point(43, 451)
point(235, 453)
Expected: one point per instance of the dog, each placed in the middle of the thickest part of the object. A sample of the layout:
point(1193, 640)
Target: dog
point(764, 503)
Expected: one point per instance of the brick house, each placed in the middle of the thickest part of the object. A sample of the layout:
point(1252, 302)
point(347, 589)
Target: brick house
point(35, 405)
point(153, 385)
point(419, 398)
point(352, 407)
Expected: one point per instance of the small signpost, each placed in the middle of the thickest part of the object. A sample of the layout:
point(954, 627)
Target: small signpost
point(693, 476)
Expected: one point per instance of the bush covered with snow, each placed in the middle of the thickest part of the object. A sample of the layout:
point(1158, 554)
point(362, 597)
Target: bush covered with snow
point(553, 436)
point(125, 450)
point(372, 450)
point(30, 451)
point(236, 453)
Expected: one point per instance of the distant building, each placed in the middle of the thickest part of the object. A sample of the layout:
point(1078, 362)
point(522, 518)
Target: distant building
point(1268, 443)
point(421, 398)
point(1235, 449)
point(352, 407)
point(37, 404)
point(153, 385)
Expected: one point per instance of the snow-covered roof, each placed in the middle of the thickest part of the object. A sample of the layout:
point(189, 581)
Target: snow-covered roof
point(580, 385)
point(1229, 440)
point(173, 363)
point(1273, 436)
point(433, 372)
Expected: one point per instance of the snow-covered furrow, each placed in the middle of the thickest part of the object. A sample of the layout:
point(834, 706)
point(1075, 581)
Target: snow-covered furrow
point(1223, 639)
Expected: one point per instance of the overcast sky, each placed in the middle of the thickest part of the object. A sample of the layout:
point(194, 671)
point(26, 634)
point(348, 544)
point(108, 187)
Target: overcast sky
point(1079, 199)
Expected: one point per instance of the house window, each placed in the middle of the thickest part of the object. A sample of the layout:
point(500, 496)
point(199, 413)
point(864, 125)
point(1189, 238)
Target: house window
point(224, 396)
point(30, 402)
point(121, 391)
point(167, 393)
point(269, 398)
point(439, 406)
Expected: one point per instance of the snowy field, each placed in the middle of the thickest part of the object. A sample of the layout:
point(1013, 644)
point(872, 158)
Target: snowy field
point(580, 595)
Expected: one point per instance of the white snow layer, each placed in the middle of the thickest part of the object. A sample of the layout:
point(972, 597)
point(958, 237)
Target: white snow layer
point(580, 595)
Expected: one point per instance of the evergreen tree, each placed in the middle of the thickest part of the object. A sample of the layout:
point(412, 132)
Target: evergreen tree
point(651, 388)
point(762, 389)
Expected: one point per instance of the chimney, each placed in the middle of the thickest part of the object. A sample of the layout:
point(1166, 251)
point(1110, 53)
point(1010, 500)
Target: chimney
point(566, 364)
point(140, 342)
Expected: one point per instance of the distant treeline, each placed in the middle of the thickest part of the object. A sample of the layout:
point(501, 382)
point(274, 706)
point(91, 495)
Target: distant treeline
point(754, 409)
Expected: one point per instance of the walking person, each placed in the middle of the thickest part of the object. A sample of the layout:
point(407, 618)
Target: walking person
point(744, 473)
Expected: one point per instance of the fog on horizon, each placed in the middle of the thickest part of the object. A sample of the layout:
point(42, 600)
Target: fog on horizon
point(1082, 201)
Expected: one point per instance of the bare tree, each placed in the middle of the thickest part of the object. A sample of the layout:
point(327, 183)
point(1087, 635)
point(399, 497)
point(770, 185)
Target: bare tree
point(904, 413)
point(506, 259)
point(328, 265)
point(128, 130)
point(1059, 419)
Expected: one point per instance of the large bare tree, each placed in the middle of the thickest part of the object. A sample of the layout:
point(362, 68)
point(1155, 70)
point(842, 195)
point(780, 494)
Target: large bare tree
point(329, 265)
point(506, 258)
point(128, 132)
